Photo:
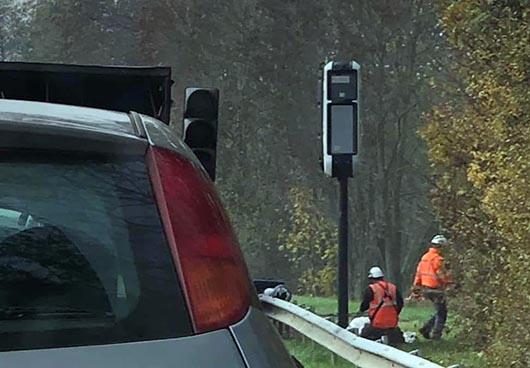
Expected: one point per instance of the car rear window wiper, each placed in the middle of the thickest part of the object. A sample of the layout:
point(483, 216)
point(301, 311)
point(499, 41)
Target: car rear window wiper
point(8, 313)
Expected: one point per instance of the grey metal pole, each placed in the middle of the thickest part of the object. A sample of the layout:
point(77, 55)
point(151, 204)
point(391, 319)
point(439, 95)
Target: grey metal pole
point(343, 253)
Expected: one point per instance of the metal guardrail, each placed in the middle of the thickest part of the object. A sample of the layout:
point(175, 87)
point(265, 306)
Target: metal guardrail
point(355, 349)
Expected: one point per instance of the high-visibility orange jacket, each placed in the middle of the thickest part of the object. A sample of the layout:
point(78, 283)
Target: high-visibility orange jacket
point(429, 272)
point(383, 306)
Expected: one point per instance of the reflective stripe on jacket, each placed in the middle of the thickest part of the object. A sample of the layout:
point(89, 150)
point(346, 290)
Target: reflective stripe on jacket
point(383, 308)
point(428, 270)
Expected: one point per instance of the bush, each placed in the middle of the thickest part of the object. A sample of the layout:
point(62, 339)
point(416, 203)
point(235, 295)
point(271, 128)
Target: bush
point(479, 143)
point(311, 243)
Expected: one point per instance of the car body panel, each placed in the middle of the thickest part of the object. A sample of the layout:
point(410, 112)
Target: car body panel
point(215, 349)
point(164, 136)
point(260, 343)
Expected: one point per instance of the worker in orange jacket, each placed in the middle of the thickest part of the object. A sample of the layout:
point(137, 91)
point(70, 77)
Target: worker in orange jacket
point(384, 302)
point(431, 280)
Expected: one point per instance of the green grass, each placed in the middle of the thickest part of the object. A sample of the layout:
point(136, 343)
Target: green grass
point(312, 355)
point(445, 352)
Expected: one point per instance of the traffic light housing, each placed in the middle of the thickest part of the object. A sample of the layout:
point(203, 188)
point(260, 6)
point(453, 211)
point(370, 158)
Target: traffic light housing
point(201, 114)
point(340, 117)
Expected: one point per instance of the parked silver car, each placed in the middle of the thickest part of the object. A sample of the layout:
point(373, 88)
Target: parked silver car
point(129, 260)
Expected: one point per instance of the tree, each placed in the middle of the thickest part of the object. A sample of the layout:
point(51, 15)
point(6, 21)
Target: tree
point(84, 32)
point(479, 142)
point(15, 20)
point(396, 43)
point(311, 244)
point(264, 56)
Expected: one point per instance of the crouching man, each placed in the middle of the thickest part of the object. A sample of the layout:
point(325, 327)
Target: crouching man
point(384, 302)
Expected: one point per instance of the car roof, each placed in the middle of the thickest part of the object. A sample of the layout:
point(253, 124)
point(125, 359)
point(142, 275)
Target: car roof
point(83, 128)
point(56, 116)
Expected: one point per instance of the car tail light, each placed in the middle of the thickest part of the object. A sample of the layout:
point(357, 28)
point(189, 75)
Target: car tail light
point(203, 244)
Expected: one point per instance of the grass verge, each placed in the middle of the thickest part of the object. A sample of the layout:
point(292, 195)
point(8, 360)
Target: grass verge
point(448, 351)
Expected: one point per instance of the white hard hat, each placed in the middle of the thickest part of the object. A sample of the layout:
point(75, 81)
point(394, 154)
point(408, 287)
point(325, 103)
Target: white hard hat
point(439, 240)
point(375, 273)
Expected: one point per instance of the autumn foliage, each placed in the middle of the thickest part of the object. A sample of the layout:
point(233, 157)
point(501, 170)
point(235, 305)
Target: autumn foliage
point(479, 146)
point(311, 245)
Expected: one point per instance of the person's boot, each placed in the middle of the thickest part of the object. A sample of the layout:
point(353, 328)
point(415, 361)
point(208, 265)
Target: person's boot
point(425, 332)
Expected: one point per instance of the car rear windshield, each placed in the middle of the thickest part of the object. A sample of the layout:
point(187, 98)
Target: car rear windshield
point(83, 256)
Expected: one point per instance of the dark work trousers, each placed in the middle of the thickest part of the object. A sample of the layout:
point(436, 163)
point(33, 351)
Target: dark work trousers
point(436, 323)
point(395, 335)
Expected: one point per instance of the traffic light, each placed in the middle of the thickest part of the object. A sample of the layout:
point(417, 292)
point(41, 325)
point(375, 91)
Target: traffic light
point(340, 117)
point(201, 112)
